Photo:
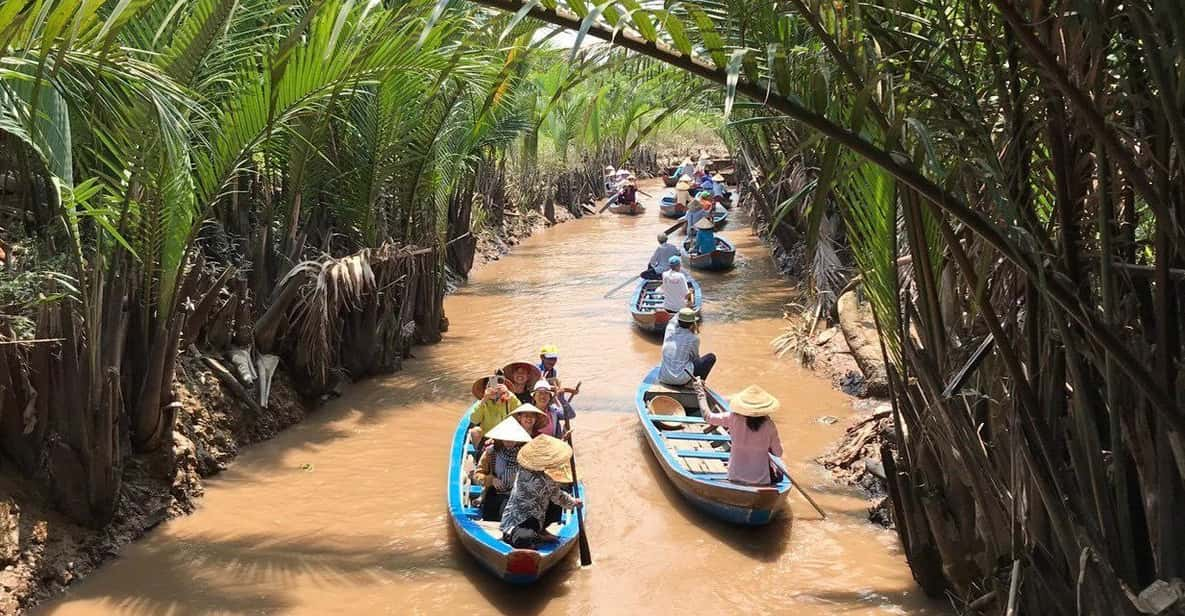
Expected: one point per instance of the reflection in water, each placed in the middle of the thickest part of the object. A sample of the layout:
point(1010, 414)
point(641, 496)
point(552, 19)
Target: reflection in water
point(363, 529)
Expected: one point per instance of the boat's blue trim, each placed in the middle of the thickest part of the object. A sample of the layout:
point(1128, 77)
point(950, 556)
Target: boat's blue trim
point(724, 511)
point(677, 419)
point(465, 518)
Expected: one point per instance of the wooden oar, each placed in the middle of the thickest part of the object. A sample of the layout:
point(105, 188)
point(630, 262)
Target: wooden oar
point(797, 486)
point(582, 539)
point(681, 221)
point(620, 286)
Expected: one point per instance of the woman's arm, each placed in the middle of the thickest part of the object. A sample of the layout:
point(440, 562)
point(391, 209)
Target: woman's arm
point(485, 473)
point(562, 498)
point(705, 407)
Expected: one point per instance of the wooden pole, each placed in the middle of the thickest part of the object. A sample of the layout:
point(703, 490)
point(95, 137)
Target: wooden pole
point(582, 539)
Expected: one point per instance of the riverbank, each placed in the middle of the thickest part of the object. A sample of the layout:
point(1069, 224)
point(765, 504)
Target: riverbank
point(42, 552)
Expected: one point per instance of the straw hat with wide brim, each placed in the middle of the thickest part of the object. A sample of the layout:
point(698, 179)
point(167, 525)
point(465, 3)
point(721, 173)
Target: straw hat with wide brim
point(704, 223)
point(683, 185)
point(542, 420)
point(509, 369)
point(509, 430)
point(666, 405)
point(753, 401)
point(479, 387)
point(549, 455)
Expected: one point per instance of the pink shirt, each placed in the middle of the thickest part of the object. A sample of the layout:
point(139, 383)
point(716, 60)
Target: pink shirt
point(749, 461)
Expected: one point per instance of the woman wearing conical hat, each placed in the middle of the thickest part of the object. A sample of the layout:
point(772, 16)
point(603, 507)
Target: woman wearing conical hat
point(544, 465)
point(754, 435)
point(498, 466)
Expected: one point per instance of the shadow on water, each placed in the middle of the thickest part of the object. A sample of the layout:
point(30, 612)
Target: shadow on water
point(171, 578)
point(764, 543)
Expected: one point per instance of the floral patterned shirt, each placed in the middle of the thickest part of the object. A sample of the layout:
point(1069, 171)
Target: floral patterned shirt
point(533, 490)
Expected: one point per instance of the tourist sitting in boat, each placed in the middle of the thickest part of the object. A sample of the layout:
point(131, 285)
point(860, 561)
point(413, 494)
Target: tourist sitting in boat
point(676, 291)
point(496, 404)
point(680, 351)
point(627, 192)
point(533, 419)
point(705, 236)
point(520, 375)
point(610, 179)
point(682, 195)
point(684, 168)
point(661, 259)
point(704, 202)
point(719, 190)
point(754, 435)
point(498, 466)
point(706, 182)
point(549, 355)
point(544, 464)
point(551, 399)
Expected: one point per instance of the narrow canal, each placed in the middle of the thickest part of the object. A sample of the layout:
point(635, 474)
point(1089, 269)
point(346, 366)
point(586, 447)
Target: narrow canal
point(345, 513)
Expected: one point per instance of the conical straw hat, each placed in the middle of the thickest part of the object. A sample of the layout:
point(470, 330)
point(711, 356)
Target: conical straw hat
point(509, 369)
point(547, 454)
point(666, 405)
point(683, 185)
point(754, 401)
point(543, 420)
point(509, 430)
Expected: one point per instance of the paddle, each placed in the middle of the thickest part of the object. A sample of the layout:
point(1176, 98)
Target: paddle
point(797, 486)
point(620, 286)
point(681, 221)
point(582, 539)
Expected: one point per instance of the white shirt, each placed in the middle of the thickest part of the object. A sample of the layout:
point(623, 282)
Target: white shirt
point(680, 347)
point(674, 290)
point(661, 259)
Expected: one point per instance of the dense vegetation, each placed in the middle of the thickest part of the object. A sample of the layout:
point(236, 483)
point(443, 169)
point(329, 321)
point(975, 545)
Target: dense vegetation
point(253, 182)
point(1007, 179)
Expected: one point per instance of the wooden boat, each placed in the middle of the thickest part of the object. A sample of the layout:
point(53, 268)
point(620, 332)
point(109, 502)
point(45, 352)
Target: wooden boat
point(669, 208)
point(630, 209)
point(646, 305)
point(720, 259)
point(695, 458)
point(483, 539)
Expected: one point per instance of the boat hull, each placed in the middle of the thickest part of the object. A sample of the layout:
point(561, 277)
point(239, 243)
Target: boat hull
point(722, 258)
point(669, 208)
point(483, 541)
point(707, 490)
point(632, 209)
point(646, 309)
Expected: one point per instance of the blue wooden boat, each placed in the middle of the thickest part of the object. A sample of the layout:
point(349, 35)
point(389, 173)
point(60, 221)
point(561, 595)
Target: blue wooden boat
point(669, 208)
point(646, 304)
point(483, 539)
point(695, 459)
point(720, 259)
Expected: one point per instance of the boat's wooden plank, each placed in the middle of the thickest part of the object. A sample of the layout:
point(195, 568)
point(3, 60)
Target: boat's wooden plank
point(708, 455)
point(697, 436)
point(676, 419)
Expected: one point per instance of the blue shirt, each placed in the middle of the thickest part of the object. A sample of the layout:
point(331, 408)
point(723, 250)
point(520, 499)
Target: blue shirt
point(680, 347)
point(705, 241)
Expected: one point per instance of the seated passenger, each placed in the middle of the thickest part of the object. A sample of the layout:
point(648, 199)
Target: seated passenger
point(496, 404)
point(498, 466)
point(533, 419)
point(754, 435)
point(544, 464)
point(680, 351)
point(519, 377)
point(548, 357)
point(553, 403)
point(676, 290)
point(661, 259)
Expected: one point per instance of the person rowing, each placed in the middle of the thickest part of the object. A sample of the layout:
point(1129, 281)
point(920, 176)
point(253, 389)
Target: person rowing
point(754, 435)
point(704, 241)
point(694, 214)
point(534, 502)
point(660, 261)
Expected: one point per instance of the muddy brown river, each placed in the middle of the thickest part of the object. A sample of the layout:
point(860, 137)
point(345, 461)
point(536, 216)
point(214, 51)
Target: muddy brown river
point(345, 513)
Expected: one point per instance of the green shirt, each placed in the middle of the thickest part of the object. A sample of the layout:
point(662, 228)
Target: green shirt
point(490, 413)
